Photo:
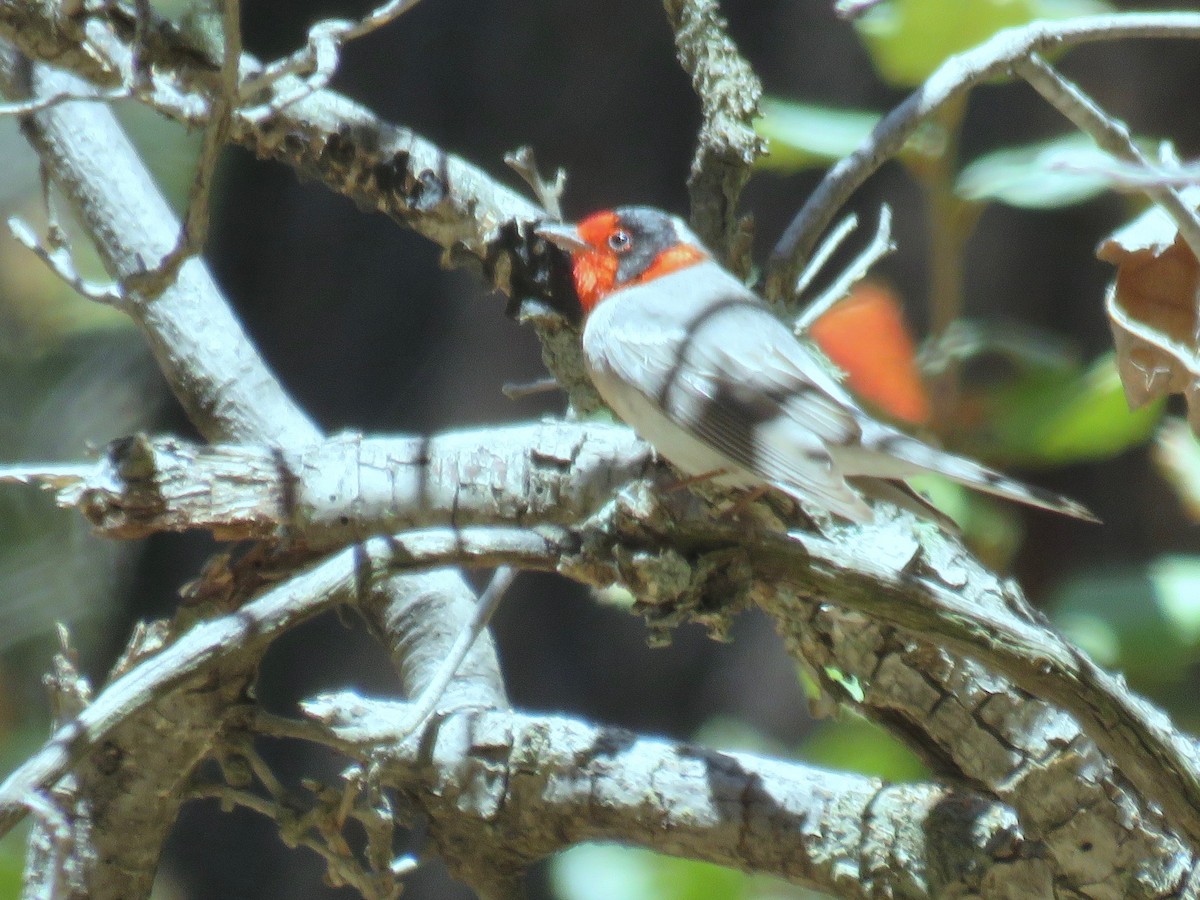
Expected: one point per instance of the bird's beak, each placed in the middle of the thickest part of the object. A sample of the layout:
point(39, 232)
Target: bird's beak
point(563, 236)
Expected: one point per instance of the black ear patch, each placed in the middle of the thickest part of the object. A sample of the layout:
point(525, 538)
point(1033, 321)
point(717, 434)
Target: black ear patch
point(651, 231)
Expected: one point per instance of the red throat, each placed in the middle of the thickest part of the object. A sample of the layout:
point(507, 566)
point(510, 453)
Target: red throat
point(671, 260)
point(595, 276)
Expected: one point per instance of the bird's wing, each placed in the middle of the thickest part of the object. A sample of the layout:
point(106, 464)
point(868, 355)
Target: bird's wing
point(735, 377)
point(715, 360)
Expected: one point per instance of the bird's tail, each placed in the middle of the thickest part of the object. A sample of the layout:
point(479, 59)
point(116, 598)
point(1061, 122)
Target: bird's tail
point(966, 471)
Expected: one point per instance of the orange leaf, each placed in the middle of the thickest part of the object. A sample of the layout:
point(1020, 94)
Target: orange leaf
point(865, 334)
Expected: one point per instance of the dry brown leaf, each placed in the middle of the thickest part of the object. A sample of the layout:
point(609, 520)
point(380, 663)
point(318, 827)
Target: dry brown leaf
point(1152, 308)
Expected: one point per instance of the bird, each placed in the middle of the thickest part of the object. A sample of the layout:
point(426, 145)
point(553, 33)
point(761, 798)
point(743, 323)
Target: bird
point(701, 368)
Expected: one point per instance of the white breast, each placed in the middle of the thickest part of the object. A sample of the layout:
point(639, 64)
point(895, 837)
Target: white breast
point(631, 346)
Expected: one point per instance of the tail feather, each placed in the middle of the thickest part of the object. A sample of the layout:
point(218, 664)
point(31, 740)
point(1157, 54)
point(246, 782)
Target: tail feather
point(972, 474)
point(900, 494)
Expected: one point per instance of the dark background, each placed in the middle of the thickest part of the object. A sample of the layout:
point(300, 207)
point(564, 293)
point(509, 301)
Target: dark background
point(368, 332)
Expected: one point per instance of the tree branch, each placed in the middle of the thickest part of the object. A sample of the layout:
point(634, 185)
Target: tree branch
point(973, 726)
point(229, 394)
point(349, 486)
point(521, 787)
point(727, 144)
point(953, 79)
point(327, 138)
point(317, 60)
point(897, 572)
point(1110, 135)
point(240, 637)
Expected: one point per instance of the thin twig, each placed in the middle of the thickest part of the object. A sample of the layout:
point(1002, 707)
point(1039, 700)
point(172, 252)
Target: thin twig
point(953, 78)
point(881, 245)
point(519, 390)
point(276, 726)
point(548, 193)
point(317, 60)
point(261, 770)
point(1110, 135)
point(1135, 178)
point(303, 830)
point(37, 104)
point(60, 261)
point(55, 476)
point(427, 702)
point(828, 247)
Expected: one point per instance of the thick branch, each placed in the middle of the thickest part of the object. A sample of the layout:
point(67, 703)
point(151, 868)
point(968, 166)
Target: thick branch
point(528, 786)
point(229, 394)
point(351, 486)
point(897, 572)
point(241, 636)
point(973, 725)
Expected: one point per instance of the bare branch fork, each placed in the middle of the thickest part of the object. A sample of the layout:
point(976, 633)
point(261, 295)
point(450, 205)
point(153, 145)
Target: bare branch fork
point(874, 569)
point(223, 384)
point(1018, 749)
point(1009, 49)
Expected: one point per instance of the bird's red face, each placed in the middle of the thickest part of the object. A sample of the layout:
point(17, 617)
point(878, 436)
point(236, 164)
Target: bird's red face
point(618, 248)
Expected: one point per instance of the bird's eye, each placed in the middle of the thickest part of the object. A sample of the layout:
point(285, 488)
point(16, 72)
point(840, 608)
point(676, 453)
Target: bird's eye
point(619, 240)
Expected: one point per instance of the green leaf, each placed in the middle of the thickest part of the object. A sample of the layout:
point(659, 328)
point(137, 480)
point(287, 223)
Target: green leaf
point(1054, 416)
point(801, 136)
point(1047, 175)
point(909, 39)
point(1085, 417)
point(1143, 620)
point(606, 871)
point(853, 744)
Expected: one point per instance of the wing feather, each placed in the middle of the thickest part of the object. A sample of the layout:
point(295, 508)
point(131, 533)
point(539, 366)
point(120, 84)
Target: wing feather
point(709, 360)
point(733, 376)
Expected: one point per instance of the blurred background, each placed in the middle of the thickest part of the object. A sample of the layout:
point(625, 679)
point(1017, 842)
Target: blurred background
point(370, 334)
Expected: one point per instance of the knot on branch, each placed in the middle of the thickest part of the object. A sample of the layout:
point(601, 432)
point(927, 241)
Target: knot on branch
point(124, 491)
point(142, 485)
point(708, 579)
